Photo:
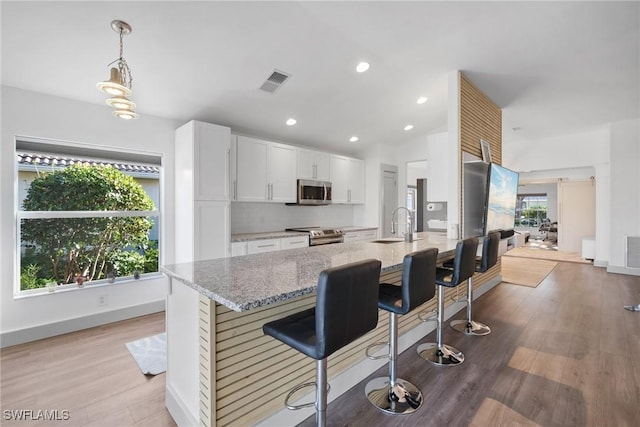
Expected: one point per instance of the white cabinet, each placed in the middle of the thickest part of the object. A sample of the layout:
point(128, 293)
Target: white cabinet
point(268, 245)
point(294, 242)
point(238, 248)
point(202, 208)
point(313, 165)
point(265, 171)
point(281, 170)
point(212, 230)
point(263, 245)
point(356, 181)
point(203, 160)
point(355, 236)
point(347, 179)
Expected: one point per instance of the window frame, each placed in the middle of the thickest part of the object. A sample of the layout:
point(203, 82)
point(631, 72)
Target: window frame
point(111, 154)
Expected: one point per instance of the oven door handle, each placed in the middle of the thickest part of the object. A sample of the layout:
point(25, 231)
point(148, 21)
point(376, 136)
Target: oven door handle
point(326, 240)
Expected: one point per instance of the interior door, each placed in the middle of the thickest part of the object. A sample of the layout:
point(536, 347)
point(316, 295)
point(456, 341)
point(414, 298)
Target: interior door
point(576, 214)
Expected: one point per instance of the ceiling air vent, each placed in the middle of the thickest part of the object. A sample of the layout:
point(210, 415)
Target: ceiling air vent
point(274, 81)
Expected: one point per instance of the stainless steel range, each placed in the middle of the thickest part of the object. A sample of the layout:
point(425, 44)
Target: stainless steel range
point(321, 236)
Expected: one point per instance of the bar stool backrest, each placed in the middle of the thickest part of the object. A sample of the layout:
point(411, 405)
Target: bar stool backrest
point(464, 263)
point(346, 304)
point(418, 278)
point(490, 245)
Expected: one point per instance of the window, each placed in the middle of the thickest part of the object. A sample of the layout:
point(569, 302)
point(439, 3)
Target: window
point(85, 215)
point(531, 210)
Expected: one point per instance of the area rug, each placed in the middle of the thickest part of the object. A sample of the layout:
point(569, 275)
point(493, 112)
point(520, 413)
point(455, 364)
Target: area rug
point(525, 271)
point(551, 255)
point(150, 353)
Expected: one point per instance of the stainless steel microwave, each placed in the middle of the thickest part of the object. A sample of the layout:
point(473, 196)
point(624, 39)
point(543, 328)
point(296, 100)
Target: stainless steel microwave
point(312, 192)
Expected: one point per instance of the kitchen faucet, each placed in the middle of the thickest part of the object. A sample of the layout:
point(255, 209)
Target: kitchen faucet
point(408, 236)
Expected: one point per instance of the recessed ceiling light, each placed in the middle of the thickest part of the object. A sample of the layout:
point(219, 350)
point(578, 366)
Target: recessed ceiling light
point(422, 100)
point(408, 127)
point(291, 122)
point(353, 139)
point(362, 67)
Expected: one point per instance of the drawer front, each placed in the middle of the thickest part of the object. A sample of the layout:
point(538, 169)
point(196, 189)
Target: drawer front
point(352, 236)
point(264, 245)
point(369, 234)
point(294, 242)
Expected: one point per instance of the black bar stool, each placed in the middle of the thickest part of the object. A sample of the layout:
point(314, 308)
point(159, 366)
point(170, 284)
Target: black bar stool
point(346, 308)
point(463, 268)
point(490, 244)
point(391, 394)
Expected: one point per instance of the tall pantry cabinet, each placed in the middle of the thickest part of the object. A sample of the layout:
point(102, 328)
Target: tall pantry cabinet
point(202, 212)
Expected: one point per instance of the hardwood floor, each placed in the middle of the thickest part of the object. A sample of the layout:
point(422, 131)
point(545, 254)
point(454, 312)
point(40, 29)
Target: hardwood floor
point(563, 354)
point(88, 373)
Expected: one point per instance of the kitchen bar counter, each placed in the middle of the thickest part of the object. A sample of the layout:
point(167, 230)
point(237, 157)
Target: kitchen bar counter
point(246, 282)
point(217, 354)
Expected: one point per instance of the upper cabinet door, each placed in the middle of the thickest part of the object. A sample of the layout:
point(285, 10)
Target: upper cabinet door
point(251, 170)
point(347, 180)
point(212, 158)
point(323, 166)
point(356, 181)
point(339, 179)
point(281, 170)
point(313, 165)
point(203, 160)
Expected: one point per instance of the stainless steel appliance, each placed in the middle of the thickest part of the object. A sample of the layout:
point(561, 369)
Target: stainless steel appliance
point(321, 236)
point(312, 192)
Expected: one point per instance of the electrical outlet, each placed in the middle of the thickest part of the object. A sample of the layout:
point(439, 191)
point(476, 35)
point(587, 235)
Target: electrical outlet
point(102, 300)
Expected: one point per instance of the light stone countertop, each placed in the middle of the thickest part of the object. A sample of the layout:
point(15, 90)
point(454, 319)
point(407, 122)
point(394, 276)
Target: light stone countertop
point(245, 282)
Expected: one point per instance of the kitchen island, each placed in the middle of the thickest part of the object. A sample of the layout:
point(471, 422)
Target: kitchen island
point(221, 369)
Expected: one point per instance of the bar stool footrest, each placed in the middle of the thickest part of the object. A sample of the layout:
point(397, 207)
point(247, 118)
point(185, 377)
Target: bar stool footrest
point(431, 318)
point(295, 390)
point(374, 345)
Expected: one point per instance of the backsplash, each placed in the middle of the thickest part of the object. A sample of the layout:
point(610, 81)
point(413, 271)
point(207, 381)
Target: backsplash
point(264, 217)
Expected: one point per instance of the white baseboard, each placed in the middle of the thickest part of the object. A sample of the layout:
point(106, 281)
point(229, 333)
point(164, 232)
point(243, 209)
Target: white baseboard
point(71, 325)
point(623, 270)
point(178, 409)
point(361, 370)
point(600, 263)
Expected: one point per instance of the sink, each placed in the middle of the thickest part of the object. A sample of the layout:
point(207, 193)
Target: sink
point(393, 240)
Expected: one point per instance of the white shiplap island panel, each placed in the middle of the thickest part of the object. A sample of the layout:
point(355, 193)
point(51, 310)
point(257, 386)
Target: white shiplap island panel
point(240, 376)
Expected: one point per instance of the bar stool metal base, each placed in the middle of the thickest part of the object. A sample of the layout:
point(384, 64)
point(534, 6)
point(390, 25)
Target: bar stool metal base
point(444, 356)
point(403, 398)
point(470, 328)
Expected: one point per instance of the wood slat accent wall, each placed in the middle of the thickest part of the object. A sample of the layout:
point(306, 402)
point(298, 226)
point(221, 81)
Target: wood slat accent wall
point(250, 365)
point(480, 118)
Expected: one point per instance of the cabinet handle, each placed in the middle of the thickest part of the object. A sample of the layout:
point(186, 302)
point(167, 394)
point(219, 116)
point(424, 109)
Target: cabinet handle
point(348, 195)
point(266, 246)
point(235, 189)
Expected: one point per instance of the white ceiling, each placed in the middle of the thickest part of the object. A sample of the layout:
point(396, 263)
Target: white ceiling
point(554, 68)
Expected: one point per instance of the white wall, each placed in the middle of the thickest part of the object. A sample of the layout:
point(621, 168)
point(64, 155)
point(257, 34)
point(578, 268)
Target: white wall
point(612, 153)
point(264, 217)
point(370, 213)
point(32, 114)
point(625, 188)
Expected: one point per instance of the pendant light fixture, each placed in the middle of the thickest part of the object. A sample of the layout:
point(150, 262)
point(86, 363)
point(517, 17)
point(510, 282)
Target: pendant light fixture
point(120, 80)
